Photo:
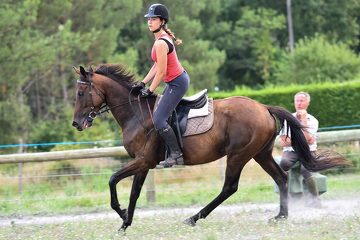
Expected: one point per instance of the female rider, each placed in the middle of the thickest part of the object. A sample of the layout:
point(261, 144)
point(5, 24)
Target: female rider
point(166, 67)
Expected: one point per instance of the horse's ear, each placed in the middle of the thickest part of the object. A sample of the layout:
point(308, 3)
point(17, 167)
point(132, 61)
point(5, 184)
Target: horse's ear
point(77, 71)
point(82, 71)
point(91, 71)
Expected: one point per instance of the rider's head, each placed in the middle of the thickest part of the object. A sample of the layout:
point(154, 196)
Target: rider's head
point(158, 11)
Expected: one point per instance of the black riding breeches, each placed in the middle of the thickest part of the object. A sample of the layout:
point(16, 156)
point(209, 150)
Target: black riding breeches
point(173, 93)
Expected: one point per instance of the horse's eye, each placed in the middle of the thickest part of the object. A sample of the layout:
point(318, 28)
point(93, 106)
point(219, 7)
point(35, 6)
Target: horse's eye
point(80, 94)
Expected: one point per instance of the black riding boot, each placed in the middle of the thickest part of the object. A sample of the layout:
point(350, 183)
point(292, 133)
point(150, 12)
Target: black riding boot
point(175, 155)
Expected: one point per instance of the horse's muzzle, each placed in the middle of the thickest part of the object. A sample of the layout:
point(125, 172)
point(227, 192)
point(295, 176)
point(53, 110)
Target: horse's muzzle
point(77, 126)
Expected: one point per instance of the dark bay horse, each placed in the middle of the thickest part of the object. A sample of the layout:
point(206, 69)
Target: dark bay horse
point(243, 129)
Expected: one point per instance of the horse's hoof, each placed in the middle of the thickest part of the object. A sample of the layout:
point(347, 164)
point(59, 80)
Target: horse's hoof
point(124, 214)
point(278, 218)
point(190, 222)
point(123, 228)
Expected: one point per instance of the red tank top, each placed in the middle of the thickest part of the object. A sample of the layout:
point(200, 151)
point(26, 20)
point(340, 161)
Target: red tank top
point(173, 68)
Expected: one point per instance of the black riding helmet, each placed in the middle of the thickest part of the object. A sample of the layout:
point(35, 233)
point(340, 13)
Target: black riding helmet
point(158, 10)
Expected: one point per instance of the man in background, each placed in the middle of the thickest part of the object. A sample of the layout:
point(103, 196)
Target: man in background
point(289, 157)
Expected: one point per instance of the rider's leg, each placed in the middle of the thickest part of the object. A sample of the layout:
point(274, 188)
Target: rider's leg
point(172, 95)
point(175, 156)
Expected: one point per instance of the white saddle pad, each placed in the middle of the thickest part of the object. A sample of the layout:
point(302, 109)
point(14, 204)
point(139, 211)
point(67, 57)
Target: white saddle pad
point(200, 112)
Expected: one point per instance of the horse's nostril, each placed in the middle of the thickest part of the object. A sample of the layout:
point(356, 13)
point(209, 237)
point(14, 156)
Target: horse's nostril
point(75, 124)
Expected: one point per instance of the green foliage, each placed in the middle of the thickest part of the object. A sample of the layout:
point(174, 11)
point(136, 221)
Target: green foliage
point(255, 30)
point(333, 104)
point(317, 60)
point(56, 130)
point(129, 59)
point(225, 44)
point(202, 68)
point(14, 121)
point(338, 21)
point(251, 46)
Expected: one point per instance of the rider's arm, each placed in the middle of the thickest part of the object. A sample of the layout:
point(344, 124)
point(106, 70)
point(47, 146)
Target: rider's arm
point(161, 49)
point(150, 75)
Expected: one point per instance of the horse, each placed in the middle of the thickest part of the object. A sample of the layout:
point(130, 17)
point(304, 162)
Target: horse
point(243, 129)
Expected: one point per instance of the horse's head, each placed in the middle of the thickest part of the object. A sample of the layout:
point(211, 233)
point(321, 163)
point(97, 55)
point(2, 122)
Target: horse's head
point(88, 99)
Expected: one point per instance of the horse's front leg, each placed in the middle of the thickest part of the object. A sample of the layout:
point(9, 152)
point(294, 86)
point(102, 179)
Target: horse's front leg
point(138, 182)
point(132, 168)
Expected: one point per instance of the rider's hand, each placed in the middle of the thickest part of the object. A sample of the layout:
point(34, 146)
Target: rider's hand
point(136, 88)
point(145, 92)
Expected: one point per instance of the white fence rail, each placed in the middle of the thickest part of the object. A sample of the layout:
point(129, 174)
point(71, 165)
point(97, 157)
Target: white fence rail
point(64, 155)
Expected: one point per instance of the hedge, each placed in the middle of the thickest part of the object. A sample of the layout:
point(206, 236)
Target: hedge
point(333, 104)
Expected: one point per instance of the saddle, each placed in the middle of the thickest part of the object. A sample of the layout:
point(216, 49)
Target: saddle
point(180, 116)
point(195, 101)
point(193, 115)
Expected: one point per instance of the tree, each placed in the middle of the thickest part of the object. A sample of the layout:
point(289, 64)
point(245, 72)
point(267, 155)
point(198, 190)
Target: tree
point(317, 60)
point(331, 18)
point(251, 47)
point(23, 53)
point(41, 41)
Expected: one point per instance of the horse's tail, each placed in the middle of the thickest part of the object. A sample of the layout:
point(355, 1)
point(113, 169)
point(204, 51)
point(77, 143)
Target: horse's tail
point(321, 161)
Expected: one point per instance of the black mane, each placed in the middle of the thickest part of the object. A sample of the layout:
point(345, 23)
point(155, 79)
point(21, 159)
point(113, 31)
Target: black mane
point(117, 73)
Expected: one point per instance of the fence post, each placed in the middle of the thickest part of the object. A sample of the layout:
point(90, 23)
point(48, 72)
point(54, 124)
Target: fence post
point(20, 166)
point(20, 185)
point(150, 187)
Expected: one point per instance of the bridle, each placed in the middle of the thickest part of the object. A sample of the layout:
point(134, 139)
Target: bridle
point(93, 113)
point(105, 108)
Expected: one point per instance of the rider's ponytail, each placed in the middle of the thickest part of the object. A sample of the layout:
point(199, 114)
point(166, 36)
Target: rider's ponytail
point(172, 35)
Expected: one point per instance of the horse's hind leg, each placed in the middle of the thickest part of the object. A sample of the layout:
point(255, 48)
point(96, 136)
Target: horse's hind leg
point(232, 176)
point(267, 162)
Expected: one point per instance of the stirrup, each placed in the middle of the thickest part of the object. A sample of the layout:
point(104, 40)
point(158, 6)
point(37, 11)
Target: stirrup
point(171, 161)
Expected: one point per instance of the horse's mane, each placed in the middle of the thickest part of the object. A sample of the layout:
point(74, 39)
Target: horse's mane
point(118, 73)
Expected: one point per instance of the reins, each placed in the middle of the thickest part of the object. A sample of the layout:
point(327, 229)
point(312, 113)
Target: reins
point(141, 111)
